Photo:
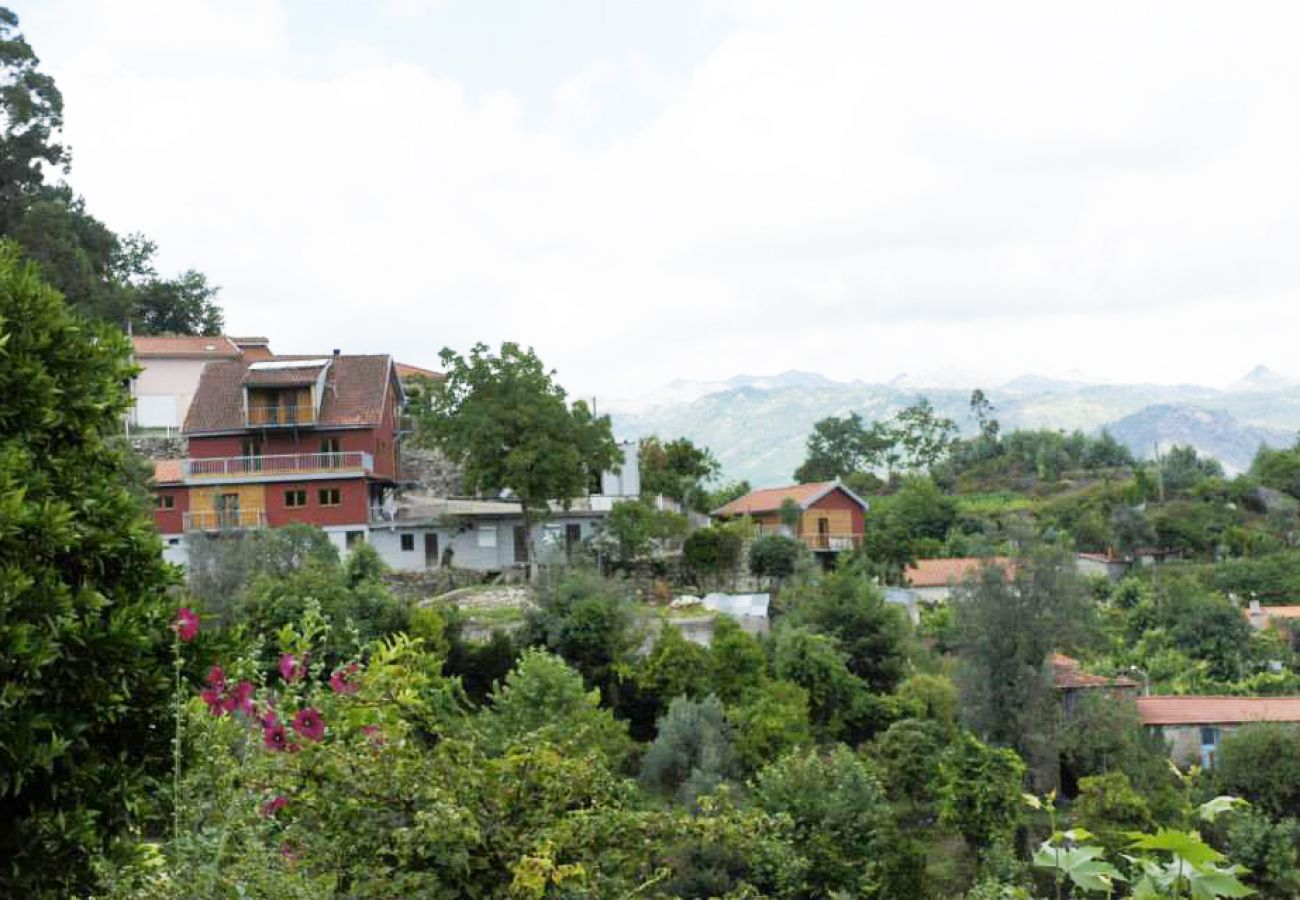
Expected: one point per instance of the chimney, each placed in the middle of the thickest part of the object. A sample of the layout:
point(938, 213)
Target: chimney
point(336, 352)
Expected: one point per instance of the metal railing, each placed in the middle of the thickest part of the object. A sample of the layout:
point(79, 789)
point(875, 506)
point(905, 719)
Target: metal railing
point(223, 519)
point(278, 464)
point(831, 542)
point(266, 415)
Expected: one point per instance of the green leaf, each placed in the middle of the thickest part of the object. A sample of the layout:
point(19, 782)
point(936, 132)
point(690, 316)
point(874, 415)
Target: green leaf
point(1212, 809)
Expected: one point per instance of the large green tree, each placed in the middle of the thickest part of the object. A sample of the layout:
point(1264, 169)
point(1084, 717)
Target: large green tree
point(510, 427)
point(31, 115)
point(677, 469)
point(83, 608)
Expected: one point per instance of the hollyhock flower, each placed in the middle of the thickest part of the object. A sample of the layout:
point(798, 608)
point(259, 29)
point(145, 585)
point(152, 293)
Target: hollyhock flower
point(309, 724)
point(186, 624)
point(212, 697)
point(274, 805)
point(240, 699)
point(273, 734)
point(290, 669)
point(216, 677)
point(339, 682)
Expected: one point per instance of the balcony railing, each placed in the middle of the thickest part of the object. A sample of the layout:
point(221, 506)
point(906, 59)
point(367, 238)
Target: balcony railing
point(832, 543)
point(352, 461)
point(224, 519)
point(266, 415)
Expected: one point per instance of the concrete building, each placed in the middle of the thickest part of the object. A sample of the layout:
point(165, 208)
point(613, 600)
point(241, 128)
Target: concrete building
point(170, 371)
point(1193, 726)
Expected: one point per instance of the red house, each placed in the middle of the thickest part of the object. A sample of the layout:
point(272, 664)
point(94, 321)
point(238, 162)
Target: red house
point(286, 439)
point(830, 518)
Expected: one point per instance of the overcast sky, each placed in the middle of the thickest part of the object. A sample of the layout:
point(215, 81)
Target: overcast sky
point(695, 188)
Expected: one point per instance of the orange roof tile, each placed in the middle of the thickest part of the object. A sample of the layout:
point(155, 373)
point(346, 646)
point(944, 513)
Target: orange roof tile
point(184, 347)
point(770, 499)
point(405, 370)
point(942, 572)
point(1068, 674)
point(167, 471)
point(1280, 612)
point(1217, 710)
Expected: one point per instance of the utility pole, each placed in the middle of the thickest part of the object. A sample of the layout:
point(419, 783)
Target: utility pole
point(1160, 474)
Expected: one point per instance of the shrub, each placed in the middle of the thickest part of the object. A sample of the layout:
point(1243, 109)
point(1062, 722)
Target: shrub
point(774, 556)
point(83, 609)
point(692, 754)
point(712, 554)
point(772, 719)
point(1261, 763)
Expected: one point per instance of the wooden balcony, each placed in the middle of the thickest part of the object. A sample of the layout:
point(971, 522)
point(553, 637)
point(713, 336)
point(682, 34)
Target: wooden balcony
point(267, 415)
point(253, 468)
point(224, 519)
point(831, 543)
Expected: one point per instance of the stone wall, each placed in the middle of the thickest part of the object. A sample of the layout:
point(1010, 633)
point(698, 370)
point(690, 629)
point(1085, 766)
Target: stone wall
point(429, 471)
point(159, 446)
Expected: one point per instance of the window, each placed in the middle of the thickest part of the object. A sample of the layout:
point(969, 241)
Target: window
point(408, 543)
point(487, 536)
point(251, 447)
point(173, 542)
point(329, 497)
point(331, 448)
point(165, 501)
point(1209, 736)
point(352, 538)
point(295, 498)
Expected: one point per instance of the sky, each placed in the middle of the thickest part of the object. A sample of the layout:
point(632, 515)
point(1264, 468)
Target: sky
point(650, 190)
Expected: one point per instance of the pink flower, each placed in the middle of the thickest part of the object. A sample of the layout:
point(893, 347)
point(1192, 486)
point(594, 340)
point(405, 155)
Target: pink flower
point(240, 699)
point(186, 624)
point(376, 736)
point(309, 724)
point(212, 697)
point(339, 682)
point(216, 677)
point(274, 805)
point(290, 669)
point(274, 737)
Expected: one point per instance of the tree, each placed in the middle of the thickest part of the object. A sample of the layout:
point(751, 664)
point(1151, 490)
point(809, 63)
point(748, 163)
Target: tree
point(738, 660)
point(1009, 623)
point(675, 667)
point(870, 632)
point(184, 305)
point(83, 605)
point(31, 109)
point(774, 556)
point(634, 530)
point(917, 517)
point(677, 469)
point(839, 447)
point(920, 437)
point(837, 700)
point(980, 792)
point(509, 426)
point(712, 554)
point(982, 409)
point(588, 621)
point(771, 720)
point(692, 754)
point(1261, 762)
point(840, 815)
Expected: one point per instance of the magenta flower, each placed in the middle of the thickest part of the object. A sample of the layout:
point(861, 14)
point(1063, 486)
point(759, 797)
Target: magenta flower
point(212, 697)
point(216, 677)
point(274, 737)
point(309, 724)
point(339, 682)
point(290, 669)
point(186, 624)
point(376, 736)
point(274, 805)
point(240, 699)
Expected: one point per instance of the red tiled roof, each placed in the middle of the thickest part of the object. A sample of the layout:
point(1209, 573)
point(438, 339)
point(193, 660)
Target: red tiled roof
point(184, 347)
point(405, 370)
point(167, 471)
point(1069, 675)
point(1280, 612)
point(770, 499)
point(1215, 710)
point(942, 572)
point(355, 387)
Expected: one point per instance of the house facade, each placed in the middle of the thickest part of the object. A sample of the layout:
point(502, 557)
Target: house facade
point(830, 519)
point(931, 581)
point(170, 369)
point(282, 440)
point(1193, 726)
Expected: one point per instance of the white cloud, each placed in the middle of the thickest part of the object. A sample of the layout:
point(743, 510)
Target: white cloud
point(858, 189)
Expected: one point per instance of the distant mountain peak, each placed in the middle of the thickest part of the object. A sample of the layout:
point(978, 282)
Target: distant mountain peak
point(1262, 378)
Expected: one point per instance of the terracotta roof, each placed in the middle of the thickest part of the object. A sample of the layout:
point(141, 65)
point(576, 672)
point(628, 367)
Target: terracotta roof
point(942, 572)
point(184, 347)
point(167, 471)
point(283, 376)
point(1280, 612)
point(770, 499)
point(355, 387)
point(405, 370)
point(1068, 674)
point(1214, 710)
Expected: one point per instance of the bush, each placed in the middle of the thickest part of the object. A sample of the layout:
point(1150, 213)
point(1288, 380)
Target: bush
point(84, 670)
point(738, 660)
point(1108, 806)
point(980, 792)
point(772, 720)
point(1261, 763)
point(712, 554)
point(675, 667)
point(692, 754)
point(589, 621)
point(774, 556)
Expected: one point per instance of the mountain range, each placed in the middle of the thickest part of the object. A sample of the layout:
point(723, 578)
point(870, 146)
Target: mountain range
point(757, 425)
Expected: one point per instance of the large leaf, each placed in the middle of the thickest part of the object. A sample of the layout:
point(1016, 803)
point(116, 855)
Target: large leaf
point(1187, 844)
point(1212, 809)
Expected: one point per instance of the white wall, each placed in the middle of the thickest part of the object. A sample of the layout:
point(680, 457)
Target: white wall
point(164, 389)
